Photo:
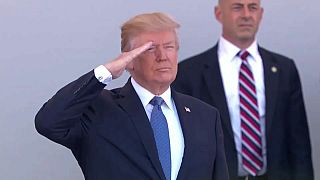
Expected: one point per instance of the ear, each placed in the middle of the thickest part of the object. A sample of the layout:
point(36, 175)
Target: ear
point(262, 10)
point(218, 13)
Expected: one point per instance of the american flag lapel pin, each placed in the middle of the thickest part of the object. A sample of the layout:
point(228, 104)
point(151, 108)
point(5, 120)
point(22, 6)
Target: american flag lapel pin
point(187, 109)
point(274, 69)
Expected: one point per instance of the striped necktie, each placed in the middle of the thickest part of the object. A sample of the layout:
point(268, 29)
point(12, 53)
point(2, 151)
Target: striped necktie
point(161, 135)
point(250, 120)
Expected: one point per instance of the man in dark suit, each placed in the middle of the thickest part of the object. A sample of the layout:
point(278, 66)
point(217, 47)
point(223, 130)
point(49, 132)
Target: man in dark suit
point(109, 131)
point(272, 143)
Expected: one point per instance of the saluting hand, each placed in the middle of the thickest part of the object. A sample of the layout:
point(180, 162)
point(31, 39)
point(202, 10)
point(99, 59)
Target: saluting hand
point(118, 65)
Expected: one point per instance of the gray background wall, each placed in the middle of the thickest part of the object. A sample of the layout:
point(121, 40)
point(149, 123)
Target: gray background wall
point(46, 44)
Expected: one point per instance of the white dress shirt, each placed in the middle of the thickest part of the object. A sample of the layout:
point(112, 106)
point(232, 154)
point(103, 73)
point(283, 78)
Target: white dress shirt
point(230, 66)
point(169, 111)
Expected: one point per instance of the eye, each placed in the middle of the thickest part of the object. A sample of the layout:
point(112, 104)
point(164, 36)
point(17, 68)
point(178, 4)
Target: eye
point(169, 47)
point(236, 8)
point(253, 8)
point(151, 49)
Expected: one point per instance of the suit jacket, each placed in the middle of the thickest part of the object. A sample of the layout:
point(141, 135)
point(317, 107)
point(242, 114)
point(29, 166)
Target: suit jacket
point(110, 135)
point(287, 134)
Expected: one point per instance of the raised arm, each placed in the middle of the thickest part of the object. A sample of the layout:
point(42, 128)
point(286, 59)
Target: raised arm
point(66, 117)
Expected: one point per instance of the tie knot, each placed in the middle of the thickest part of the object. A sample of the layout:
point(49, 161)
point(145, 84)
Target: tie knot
point(243, 55)
point(156, 101)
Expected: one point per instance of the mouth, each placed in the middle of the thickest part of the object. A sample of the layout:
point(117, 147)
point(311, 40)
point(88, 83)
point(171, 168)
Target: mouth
point(246, 25)
point(163, 69)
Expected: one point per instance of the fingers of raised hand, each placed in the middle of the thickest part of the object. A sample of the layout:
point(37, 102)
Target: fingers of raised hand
point(141, 49)
point(129, 56)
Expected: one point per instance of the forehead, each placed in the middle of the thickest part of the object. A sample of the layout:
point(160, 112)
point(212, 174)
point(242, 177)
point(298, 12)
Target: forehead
point(241, 1)
point(161, 37)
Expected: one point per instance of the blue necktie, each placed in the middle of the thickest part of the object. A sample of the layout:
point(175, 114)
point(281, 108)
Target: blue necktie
point(161, 134)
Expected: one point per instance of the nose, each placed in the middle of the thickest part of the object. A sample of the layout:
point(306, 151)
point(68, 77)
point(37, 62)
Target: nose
point(245, 12)
point(161, 53)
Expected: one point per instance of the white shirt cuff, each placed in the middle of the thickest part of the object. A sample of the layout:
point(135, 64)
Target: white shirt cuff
point(103, 74)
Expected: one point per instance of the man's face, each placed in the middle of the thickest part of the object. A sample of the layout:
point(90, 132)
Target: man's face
point(240, 19)
point(157, 66)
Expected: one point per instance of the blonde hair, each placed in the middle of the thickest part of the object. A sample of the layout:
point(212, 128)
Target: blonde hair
point(148, 22)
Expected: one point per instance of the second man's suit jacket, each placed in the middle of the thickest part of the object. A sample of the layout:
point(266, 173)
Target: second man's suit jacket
point(287, 134)
point(110, 135)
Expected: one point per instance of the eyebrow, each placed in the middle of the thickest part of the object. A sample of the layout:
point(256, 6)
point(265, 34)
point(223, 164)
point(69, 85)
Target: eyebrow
point(166, 43)
point(241, 4)
point(170, 42)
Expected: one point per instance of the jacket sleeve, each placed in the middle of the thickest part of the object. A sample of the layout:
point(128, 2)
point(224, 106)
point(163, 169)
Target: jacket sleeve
point(300, 148)
point(220, 171)
point(65, 117)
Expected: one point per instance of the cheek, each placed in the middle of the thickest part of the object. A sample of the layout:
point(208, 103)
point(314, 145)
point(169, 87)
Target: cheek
point(174, 65)
point(258, 20)
point(173, 56)
point(234, 21)
point(141, 63)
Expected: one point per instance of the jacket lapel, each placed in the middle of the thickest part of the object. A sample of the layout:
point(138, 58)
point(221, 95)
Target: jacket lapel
point(215, 87)
point(133, 106)
point(271, 82)
point(186, 126)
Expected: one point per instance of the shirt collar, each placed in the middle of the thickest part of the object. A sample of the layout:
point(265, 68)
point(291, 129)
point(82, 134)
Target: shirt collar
point(253, 50)
point(228, 51)
point(146, 96)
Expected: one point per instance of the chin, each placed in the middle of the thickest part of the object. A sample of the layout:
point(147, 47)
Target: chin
point(246, 36)
point(165, 80)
